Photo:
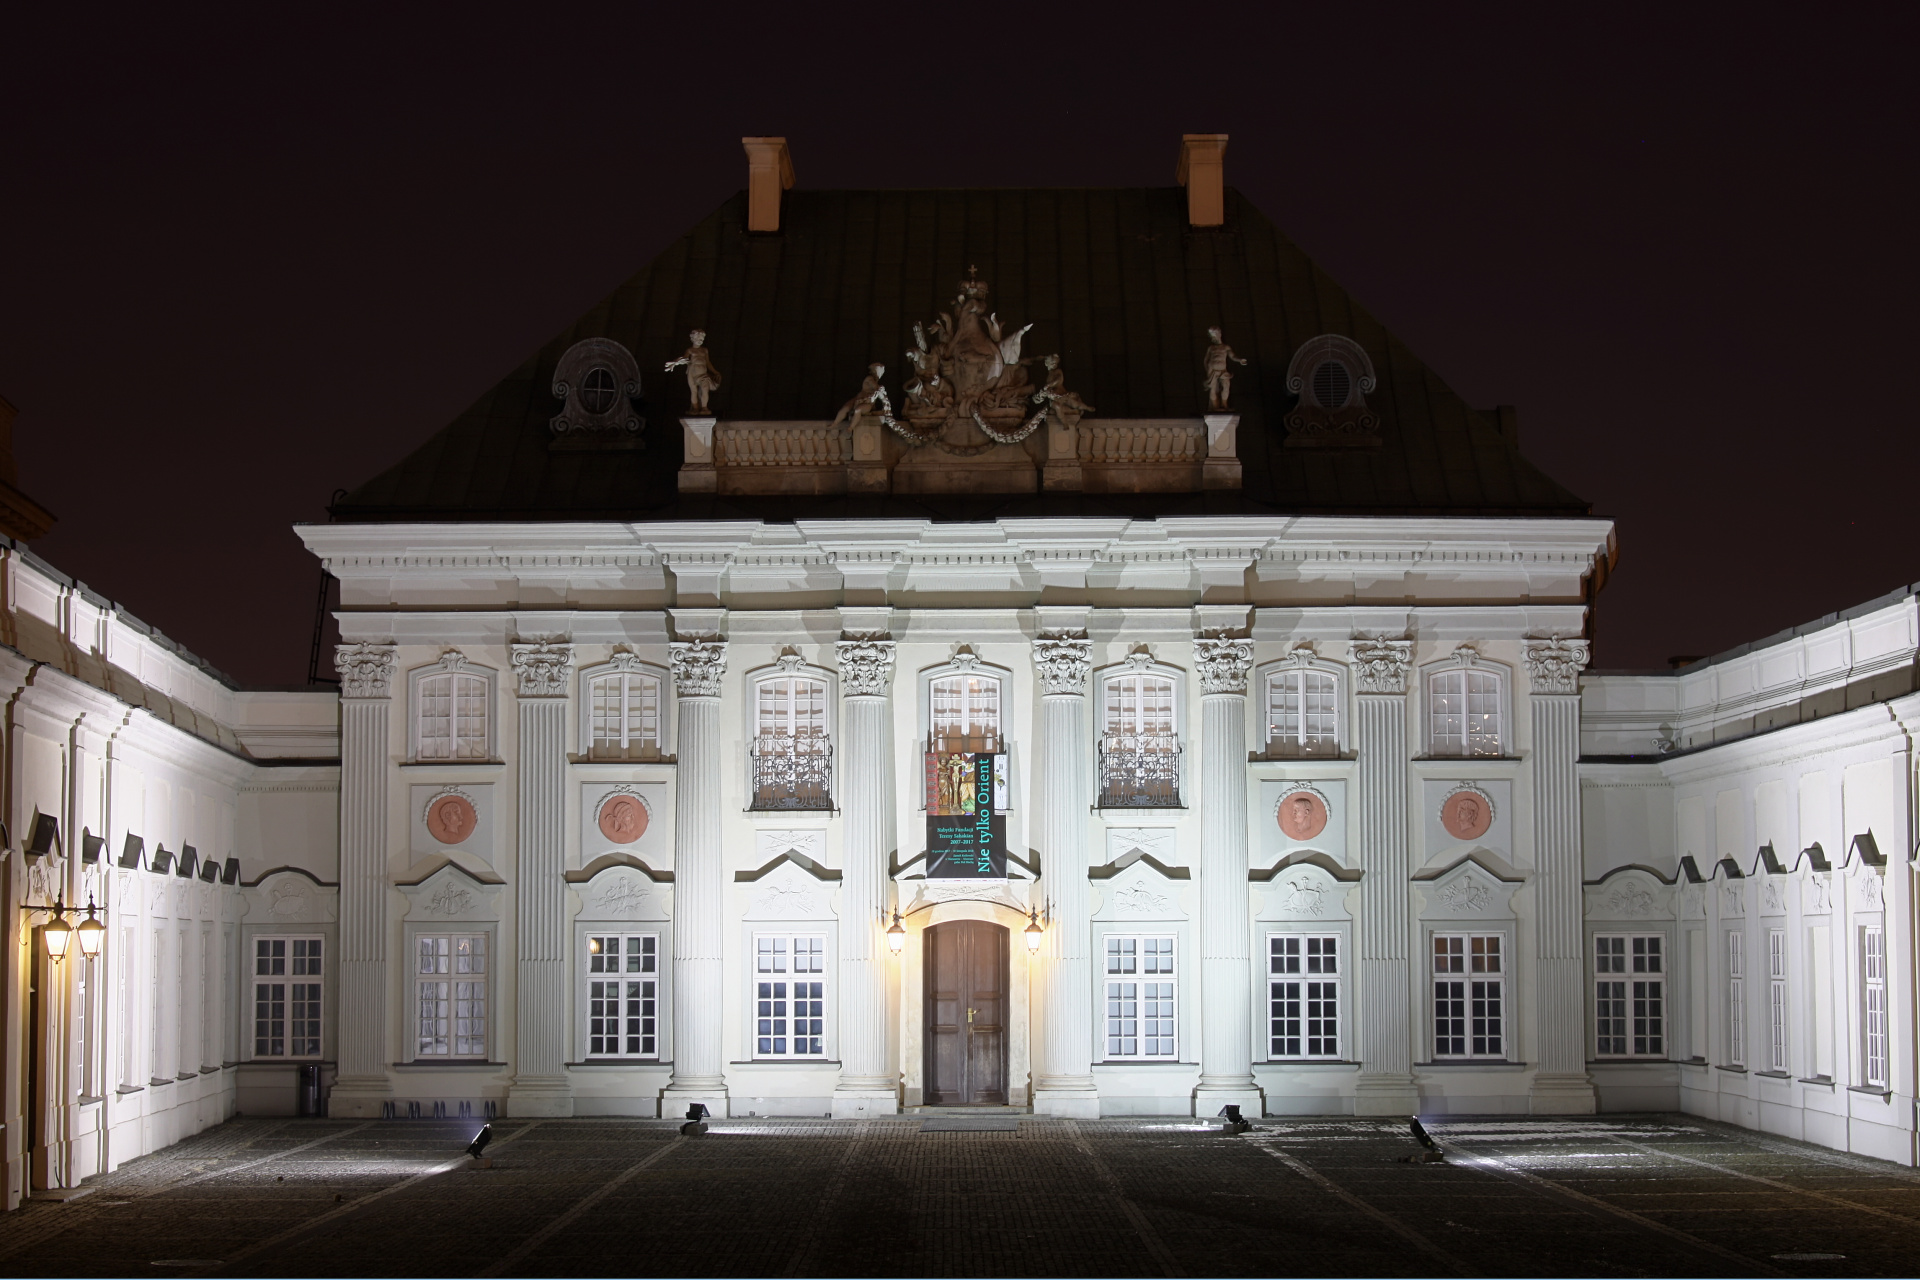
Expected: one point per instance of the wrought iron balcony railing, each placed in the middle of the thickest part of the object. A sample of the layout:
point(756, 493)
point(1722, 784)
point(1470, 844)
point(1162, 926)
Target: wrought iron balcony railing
point(792, 773)
point(1140, 770)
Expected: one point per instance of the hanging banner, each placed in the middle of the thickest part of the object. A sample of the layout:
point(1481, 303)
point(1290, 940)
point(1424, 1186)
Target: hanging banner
point(966, 839)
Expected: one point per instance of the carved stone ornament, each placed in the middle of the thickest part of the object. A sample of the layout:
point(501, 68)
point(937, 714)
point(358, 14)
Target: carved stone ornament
point(287, 899)
point(1819, 894)
point(1466, 894)
point(965, 659)
point(791, 663)
point(865, 667)
point(1217, 364)
point(449, 900)
point(453, 660)
point(599, 380)
point(451, 817)
point(787, 900)
point(1140, 660)
point(1631, 900)
point(1223, 662)
point(697, 667)
point(967, 387)
point(1553, 666)
point(1330, 376)
point(1302, 813)
point(1139, 900)
point(1380, 665)
point(1732, 902)
point(1062, 663)
point(366, 670)
point(621, 895)
point(623, 818)
point(1305, 897)
point(545, 668)
point(1467, 813)
point(1870, 890)
point(1771, 898)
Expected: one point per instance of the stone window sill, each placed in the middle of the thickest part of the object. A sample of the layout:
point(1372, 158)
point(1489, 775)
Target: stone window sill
point(785, 1062)
point(450, 1064)
point(1167, 1064)
point(86, 1101)
point(1740, 1071)
point(1771, 1075)
point(1819, 1082)
point(615, 1064)
point(458, 765)
point(1646, 1060)
point(1872, 1091)
point(1472, 1064)
point(1330, 1064)
point(155, 1082)
point(125, 1089)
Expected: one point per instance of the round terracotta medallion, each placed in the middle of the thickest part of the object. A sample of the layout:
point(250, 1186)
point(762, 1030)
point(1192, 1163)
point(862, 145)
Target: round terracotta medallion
point(1466, 815)
point(1302, 815)
point(451, 819)
point(623, 819)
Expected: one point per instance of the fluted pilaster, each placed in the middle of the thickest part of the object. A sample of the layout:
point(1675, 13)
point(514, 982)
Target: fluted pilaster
point(543, 673)
point(868, 1083)
point(1226, 1022)
point(1561, 1085)
point(1383, 1009)
point(1063, 1081)
point(366, 676)
point(699, 942)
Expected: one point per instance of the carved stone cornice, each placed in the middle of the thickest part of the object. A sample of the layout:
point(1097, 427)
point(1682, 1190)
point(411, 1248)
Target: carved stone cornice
point(697, 667)
point(1224, 662)
point(1380, 664)
point(1553, 666)
point(1062, 663)
point(366, 670)
point(865, 667)
point(544, 668)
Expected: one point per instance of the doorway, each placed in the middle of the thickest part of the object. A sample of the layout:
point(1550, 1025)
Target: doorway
point(966, 1014)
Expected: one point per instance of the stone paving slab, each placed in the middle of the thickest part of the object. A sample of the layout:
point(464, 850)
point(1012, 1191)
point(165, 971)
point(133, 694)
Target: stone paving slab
point(1643, 1195)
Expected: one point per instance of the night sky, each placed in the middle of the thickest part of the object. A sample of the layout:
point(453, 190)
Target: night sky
point(250, 258)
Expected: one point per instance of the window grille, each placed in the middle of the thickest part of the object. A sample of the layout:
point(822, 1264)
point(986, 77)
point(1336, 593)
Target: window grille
point(1873, 991)
point(1303, 716)
point(1469, 996)
point(623, 995)
point(1140, 748)
point(792, 754)
point(452, 710)
point(966, 715)
point(1630, 996)
point(1736, 999)
point(287, 979)
point(625, 710)
point(790, 996)
point(1777, 999)
point(1303, 996)
point(450, 985)
point(1140, 998)
point(1464, 713)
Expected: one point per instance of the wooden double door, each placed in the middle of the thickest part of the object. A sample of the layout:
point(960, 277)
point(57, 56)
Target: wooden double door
point(966, 1014)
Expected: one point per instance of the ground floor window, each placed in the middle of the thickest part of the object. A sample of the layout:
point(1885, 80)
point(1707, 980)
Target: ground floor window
point(623, 995)
point(287, 979)
point(1630, 995)
point(1777, 999)
point(1303, 996)
point(450, 985)
point(1469, 996)
point(1736, 999)
point(1140, 998)
point(1873, 991)
point(790, 996)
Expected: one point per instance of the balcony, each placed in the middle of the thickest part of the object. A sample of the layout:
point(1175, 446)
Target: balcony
point(792, 772)
point(1140, 771)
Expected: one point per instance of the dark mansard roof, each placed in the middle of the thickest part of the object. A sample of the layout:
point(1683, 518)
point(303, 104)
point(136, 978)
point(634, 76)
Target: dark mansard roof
point(1116, 281)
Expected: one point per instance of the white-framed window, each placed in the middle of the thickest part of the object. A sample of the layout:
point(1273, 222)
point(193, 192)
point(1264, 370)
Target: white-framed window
point(626, 711)
point(790, 995)
point(450, 995)
point(1777, 999)
point(623, 995)
point(1303, 995)
point(1736, 999)
point(792, 748)
point(1140, 997)
point(1303, 711)
point(1873, 998)
point(289, 976)
point(1466, 707)
point(1630, 995)
point(965, 713)
point(156, 1006)
point(452, 711)
point(124, 985)
point(1139, 750)
point(1469, 996)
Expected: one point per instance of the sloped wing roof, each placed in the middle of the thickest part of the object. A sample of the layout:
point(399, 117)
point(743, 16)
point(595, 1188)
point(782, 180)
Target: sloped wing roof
point(1114, 280)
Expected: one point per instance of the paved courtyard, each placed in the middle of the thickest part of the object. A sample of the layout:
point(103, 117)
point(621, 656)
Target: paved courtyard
point(1643, 1195)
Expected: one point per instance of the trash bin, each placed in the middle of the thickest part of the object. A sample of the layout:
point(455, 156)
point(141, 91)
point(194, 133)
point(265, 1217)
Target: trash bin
point(308, 1101)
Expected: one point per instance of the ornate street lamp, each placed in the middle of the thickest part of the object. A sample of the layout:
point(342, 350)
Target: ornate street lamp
point(896, 934)
point(1034, 931)
point(59, 933)
point(91, 932)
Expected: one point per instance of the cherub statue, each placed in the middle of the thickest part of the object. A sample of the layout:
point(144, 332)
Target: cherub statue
point(869, 393)
point(1055, 394)
point(702, 378)
point(1219, 377)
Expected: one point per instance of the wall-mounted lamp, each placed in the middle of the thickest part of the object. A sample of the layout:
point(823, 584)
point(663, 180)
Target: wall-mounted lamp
point(896, 934)
point(91, 932)
point(1035, 931)
point(59, 934)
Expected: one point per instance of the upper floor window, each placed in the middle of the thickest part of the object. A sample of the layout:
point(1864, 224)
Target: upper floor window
point(1466, 703)
point(451, 707)
point(1303, 712)
point(623, 712)
point(966, 714)
point(1139, 744)
point(792, 750)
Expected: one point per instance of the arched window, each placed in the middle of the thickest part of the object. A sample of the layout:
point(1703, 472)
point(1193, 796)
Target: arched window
point(1464, 711)
point(624, 710)
point(1303, 711)
point(1139, 742)
point(966, 714)
point(792, 752)
point(451, 719)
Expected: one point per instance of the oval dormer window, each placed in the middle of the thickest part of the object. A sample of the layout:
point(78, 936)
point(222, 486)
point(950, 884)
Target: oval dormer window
point(599, 390)
point(1332, 384)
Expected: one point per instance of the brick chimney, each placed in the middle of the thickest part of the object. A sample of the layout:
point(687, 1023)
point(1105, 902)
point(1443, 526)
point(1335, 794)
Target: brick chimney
point(1202, 173)
point(769, 172)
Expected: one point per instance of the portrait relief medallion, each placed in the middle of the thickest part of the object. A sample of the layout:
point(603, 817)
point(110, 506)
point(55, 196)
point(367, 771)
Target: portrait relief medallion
point(623, 819)
point(451, 819)
point(1303, 815)
point(1466, 815)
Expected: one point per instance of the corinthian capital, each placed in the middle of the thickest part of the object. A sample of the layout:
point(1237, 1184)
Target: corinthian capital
point(1223, 662)
point(1380, 665)
point(1553, 666)
point(1062, 663)
point(865, 667)
point(544, 668)
point(366, 670)
point(697, 667)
